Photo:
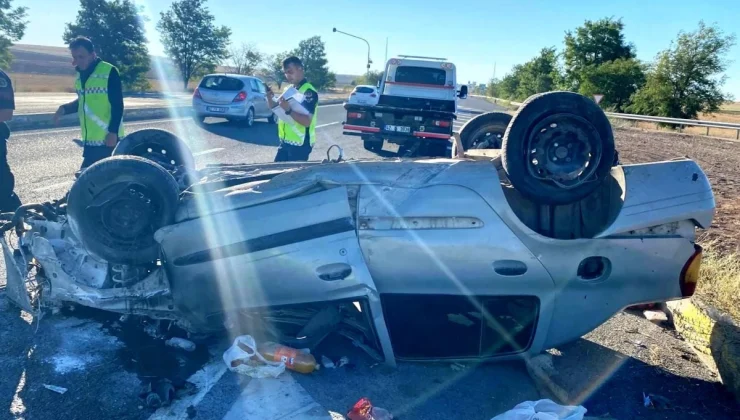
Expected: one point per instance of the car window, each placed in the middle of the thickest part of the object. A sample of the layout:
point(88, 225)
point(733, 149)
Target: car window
point(255, 86)
point(261, 87)
point(221, 83)
point(425, 75)
point(364, 90)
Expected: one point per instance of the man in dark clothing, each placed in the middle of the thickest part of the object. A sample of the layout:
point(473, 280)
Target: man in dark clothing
point(9, 201)
point(99, 102)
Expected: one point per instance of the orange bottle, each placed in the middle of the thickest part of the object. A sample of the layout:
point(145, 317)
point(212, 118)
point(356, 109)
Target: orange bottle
point(294, 359)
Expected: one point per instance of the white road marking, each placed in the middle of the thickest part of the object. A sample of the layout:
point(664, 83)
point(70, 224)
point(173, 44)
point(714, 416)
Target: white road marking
point(54, 186)
point(203, 380)
point(326, 125)
point(205, 152)
point(273, 399)
point(67, 130)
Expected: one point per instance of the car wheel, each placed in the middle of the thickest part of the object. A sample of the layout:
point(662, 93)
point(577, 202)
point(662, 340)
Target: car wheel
point(485, 131)
point(160, 146)
point(373, 145)
point(116, 205)
point(558, 148)
point(248, 120)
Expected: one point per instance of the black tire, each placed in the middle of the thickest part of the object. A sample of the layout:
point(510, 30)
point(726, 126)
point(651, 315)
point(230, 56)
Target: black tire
point(485, 131)
point(373, 145)
point(118, 203)
point(159, 146)
point(248, 120)
point(541, 122)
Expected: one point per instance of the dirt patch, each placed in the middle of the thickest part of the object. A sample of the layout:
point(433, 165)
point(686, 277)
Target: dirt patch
point(720, 160)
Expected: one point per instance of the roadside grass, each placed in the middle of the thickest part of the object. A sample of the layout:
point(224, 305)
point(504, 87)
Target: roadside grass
point(719, 283)
point(506, 104)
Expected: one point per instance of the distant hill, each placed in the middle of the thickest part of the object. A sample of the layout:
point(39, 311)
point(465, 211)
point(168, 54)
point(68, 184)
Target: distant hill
point(40, 59)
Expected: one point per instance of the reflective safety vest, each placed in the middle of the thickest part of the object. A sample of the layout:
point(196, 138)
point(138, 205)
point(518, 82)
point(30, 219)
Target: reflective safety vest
point(294, 133)
point(94, 107)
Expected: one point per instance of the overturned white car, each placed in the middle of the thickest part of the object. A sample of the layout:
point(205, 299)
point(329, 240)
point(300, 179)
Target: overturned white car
point(473, 257)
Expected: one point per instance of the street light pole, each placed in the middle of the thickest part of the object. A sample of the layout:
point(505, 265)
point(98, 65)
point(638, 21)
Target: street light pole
point(368, 46)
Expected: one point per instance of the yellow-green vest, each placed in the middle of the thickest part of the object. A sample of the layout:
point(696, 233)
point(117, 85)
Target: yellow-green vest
point(94, 107)
point(294, 133)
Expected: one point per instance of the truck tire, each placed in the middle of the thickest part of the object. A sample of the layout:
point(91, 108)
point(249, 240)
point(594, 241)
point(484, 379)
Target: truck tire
point(558, 148)
point(157, 145)
point(117, 204)
point(485, 131)
point(373, 145)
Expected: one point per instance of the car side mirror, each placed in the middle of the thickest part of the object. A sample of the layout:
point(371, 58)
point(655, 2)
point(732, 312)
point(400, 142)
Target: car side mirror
point(463, 92)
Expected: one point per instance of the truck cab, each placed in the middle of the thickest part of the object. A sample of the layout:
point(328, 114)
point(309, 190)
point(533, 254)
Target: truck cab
point(417, 106)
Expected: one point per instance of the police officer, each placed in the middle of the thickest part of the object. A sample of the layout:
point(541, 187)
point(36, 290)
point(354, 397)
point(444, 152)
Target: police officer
point(9, 201)
point(297, 138)
point(99, 102)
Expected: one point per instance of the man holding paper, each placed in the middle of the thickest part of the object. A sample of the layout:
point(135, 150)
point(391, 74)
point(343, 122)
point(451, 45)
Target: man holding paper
point(296, 111)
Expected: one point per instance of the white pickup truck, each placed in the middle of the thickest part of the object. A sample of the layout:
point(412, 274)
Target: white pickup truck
point(417, 106)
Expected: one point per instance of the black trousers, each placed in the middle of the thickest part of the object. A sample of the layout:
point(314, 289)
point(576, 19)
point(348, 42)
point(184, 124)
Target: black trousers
point(9, 201)
point(289, 153)
point(93, 154)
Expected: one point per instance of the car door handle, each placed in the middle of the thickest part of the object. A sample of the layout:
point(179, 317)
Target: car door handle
point(509, 267)
point(334, 272)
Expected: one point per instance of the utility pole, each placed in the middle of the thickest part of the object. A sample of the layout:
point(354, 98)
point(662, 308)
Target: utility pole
point(386, 50)
point(368, 47)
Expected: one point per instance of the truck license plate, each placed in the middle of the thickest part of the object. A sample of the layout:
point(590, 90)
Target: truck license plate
point(398, 128)
point(217, 109)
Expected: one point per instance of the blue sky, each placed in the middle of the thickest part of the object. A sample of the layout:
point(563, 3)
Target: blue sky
point(474, 34)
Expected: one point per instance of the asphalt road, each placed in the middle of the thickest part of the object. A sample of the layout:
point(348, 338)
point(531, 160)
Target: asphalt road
point(102, 363)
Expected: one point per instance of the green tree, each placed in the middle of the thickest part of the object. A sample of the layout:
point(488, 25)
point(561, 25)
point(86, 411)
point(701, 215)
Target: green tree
point(12, 28)
point(312, 53)
point(191, 39)
point(593, 44)
point(116, 29)
point(371, 78)
point(617, 80)
point(273, 70)
point(540, 74)
point(687, 77)
point(245, 59)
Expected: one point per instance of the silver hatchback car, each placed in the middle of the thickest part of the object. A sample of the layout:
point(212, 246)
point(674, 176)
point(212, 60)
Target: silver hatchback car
point(232, 96)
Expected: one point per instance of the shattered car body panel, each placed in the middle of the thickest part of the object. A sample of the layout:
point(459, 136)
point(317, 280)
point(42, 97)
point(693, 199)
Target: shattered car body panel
point(436, 253)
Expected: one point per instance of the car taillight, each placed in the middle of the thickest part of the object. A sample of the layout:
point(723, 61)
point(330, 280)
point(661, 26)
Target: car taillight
point(441, 123)
point(240, 96)
point(355, 115)
point(196, 94)
point(372, 95)
point(689, 278)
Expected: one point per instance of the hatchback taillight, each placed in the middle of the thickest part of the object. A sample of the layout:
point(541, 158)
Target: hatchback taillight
point(196, 94)
point(241, 96)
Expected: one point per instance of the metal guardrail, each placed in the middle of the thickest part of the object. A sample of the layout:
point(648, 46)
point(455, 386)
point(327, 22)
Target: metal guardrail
point(680, 122)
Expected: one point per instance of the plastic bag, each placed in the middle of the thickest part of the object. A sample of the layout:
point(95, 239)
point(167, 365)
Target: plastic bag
point(543, 410)
point(242, 357)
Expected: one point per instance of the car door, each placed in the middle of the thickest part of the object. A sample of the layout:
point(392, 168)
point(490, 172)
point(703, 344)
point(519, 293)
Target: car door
point(454, 281)
point(260, 103)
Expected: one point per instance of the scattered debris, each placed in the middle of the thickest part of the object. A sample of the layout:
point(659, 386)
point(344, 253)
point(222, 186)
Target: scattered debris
point(294, 360)
point(57, 389)
point(458, 367)
point(158, 393)
point(242, 357)
point(152, 330)
point(181, 343)
point(656, 317)
point(656, 401)
point(364, 410)
point(344, 361)
point(690, 357)
point(327, 362)
point(638, 343)
point(543, 410)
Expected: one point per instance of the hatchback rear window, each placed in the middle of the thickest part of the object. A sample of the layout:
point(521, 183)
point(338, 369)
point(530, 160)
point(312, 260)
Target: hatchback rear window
point(364, 90)
point(425, 75)
point(221, 83)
